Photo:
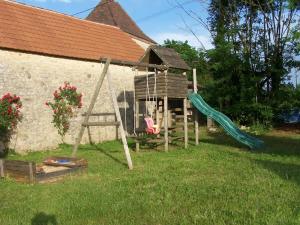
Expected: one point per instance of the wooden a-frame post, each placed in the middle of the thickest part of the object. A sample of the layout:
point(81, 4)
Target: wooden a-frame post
point(117, 111)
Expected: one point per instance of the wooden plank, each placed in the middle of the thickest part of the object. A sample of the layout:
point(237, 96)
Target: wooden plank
point(119, 119)
point(160, 75)
point(92, 104)
point(166, 123)
point(100, 124)
point(32, 172)
point(117, 128)
point(185, 123)
point(158, 91)
point(19, 170)
point(100, 114)
point(1, 168)
point(137, 146)
point(58, 175)
point(176, 138)
point(137, 115)
point(137, 64)
point(16, 165)
point(89, 135)
point(196, 114)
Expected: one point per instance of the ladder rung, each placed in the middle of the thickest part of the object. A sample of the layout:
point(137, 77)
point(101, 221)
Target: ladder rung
point(100, 124)
point(100, 114)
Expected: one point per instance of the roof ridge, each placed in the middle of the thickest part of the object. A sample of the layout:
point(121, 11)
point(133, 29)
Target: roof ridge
point(59, 13)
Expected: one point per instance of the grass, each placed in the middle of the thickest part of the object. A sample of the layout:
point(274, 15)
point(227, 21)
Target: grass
point(218, 182)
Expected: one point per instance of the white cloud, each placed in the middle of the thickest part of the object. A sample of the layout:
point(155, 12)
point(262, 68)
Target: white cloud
point(192, 40)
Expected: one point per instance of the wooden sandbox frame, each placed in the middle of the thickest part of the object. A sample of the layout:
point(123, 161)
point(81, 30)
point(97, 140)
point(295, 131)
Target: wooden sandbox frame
point(27, 172)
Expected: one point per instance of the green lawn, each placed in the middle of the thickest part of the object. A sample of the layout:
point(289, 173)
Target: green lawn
point(218, 182)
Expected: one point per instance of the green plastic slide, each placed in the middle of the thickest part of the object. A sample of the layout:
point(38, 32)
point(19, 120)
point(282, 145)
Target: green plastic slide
point(225, 122)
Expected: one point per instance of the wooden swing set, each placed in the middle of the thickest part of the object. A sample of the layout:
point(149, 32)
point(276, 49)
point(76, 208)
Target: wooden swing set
point(88, 114)
point(118, 123)
point(167, 87)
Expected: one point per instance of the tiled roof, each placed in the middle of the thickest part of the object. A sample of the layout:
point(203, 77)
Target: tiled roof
point(111, 13)
point(36, 30)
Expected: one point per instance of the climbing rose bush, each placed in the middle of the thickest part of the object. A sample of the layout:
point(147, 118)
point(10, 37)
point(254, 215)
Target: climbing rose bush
point(10, 115)
point(65, 102)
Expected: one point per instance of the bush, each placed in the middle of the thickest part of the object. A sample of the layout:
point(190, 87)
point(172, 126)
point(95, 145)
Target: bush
point(66, 100)
point(10, 115)
point(251, 114)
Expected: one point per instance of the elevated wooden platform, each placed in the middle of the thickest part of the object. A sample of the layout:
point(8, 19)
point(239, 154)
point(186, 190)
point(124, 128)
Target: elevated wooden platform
point(174, 86)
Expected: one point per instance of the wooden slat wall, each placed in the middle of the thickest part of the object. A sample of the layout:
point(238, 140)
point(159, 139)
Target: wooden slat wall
point(19, 170)
point(171, 85)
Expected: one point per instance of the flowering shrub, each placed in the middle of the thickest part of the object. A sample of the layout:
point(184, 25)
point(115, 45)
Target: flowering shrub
point(10, 114)
point(66, 101)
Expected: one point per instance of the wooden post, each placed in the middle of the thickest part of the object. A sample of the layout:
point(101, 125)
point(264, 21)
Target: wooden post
point(1, 168)
point(166, 127)
point(137, 114)
point(92, 104)
point(118, 115)
point(186, 139)
point(117, 129)
point(90, 135)
point(196, 114)
point(31, 172)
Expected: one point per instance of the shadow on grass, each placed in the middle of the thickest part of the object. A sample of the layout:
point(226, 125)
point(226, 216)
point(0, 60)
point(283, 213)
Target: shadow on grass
point(288, 172)
point(43, 219)
point(107, 153)
point(278, 145)
point(221, 139)
point(281, 145)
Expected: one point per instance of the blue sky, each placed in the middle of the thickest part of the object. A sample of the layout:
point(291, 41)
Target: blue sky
point(167, 22)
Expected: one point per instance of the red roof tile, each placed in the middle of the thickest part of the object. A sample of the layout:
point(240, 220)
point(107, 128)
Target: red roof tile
point(26, 28)
point(111, 13)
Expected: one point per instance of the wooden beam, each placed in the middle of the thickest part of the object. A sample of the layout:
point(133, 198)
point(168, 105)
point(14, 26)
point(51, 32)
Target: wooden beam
point(100, 114)
point(166, 127)
point(89, 135)
point(137, 146)
point(92, 104)
point(31, 172)
point(137, 114)
point(100, 124)
point(196, 114)
point(117, 128)
point(1, 168)
point(135, 64)
point(186, 140)
point(119, 119)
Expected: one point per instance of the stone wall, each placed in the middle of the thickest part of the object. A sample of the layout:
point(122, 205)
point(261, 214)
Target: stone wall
point(35, 77)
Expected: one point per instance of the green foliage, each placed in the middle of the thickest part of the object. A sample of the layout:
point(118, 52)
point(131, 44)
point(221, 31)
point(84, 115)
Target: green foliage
point(287, 100)
point(245, 75)
point(251, 114)
point(259, 129)
point(66, 100)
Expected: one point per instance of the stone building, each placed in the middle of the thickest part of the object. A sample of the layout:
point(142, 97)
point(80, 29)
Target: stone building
point(41, 49)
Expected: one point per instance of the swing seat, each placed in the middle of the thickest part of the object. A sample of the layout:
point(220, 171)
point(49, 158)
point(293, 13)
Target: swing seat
point(151, 127)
